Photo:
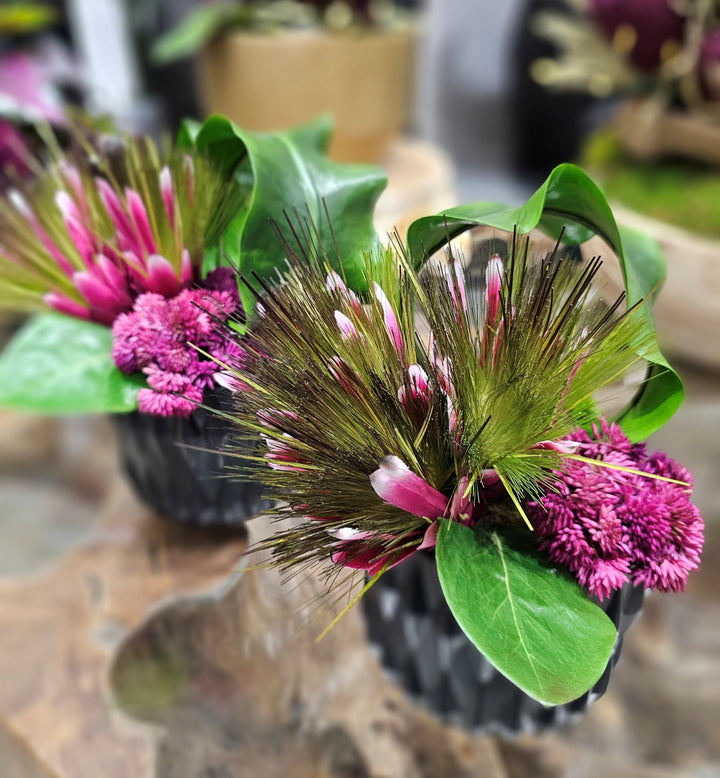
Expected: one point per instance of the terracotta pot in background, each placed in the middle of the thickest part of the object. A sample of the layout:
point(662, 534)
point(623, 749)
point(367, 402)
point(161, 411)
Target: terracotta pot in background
point(274, 81)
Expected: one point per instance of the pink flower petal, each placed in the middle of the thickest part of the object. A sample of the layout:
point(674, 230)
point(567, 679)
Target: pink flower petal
point(189, 170)
point(139, 216)
point(167, 192)
point(334, 283)
point(396, 484)
point(456, 281)
point(493, 278)
point(186, 268)
point(345, 376)
point(430, 537)
point(104, 301)
point(79, 233)
point(390, 319)
point(353, 555)
point(345, 325)
point(161, 277)
point(62, 304)
point(72, 176)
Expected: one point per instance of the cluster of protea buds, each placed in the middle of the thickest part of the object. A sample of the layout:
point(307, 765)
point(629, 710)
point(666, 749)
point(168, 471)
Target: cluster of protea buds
point(374, 431)
point(119, 238)
point(86, 240)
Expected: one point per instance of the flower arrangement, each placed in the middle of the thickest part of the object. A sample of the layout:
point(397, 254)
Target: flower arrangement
point(125, 250)
point(427, 415)
point(119, 241)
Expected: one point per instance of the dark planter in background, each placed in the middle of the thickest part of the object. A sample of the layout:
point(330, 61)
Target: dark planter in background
point(163, 460)
point(424, 650)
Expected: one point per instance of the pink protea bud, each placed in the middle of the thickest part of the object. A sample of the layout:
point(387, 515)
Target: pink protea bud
point(105, 301)
point(161, 276)
point(493, 279)
point(275, 418)
point(189, 170)
point(389, 318)
point(414, 395)
point(110, 272)
point(79, 233)
point(345, 325)
point(167, 193)
point(230, 381)
point(456, 281)
point(334, 283)
point(72, 176)
point(281, 455)
point(62, 304)
point(396, 484)
point(139, 216)
point(345, 376)
point(114, 207)
point(186, 267)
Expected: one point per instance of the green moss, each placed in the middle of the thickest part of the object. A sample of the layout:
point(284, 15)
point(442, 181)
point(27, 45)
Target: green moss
point(682, 193)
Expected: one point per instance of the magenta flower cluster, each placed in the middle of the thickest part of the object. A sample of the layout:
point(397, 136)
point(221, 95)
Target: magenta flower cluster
point(610, 526)
point(175, 342)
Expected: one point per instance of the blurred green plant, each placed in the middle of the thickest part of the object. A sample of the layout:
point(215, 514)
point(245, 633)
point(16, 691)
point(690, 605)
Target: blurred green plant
point(679, 192)
point(208, 20)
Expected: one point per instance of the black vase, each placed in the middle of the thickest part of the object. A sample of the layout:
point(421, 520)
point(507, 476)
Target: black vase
point(179, 467)
point(424, 650)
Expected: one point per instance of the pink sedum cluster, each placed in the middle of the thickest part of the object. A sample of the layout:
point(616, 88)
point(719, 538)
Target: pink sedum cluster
point(161, 337)
point(609, 526)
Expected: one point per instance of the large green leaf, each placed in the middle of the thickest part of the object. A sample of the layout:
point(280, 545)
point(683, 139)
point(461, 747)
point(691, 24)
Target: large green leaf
point(292, 176)
point(59, 365)
point(532, 622)
point(569, 200)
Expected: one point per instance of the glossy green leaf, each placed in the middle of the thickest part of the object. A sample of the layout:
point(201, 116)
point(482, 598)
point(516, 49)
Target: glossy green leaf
point(569, 200)
point(291, 176)
point(534, 624)
point(59, 365)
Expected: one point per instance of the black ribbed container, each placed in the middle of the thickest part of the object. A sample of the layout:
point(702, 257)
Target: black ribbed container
point(161, 457)
point(423, 649)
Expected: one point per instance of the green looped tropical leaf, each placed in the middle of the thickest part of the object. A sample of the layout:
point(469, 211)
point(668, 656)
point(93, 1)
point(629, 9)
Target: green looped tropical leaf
point(533, 623)
point(292, 177)
point(59, 365)
point(570, 201)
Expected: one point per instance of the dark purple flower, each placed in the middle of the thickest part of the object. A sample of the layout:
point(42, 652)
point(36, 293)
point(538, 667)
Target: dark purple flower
point(653, 23)
point(610, 526)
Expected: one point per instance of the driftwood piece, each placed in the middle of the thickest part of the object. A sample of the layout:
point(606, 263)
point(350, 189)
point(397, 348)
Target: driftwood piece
point(220, 674)
point(61, 627)
point(649, 130)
